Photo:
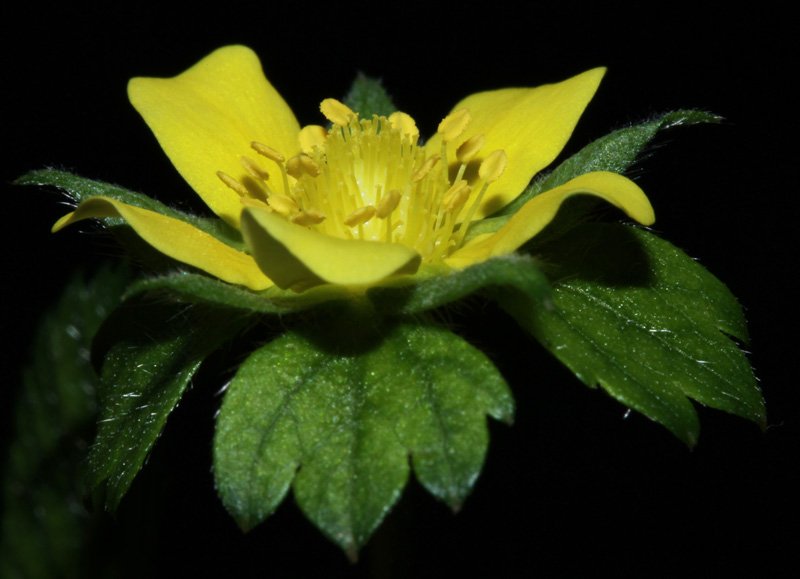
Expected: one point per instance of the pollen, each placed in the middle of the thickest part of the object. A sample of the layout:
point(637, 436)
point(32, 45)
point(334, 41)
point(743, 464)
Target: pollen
point(371, 179)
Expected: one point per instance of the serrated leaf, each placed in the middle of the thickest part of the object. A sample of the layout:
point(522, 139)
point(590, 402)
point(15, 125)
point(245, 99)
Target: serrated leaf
point(511, 271)
point(80, 188)
point(367, 97)
point(347, 411)
point(156, 350)
point(638, 317)
point(615, 152)
point(43, 526)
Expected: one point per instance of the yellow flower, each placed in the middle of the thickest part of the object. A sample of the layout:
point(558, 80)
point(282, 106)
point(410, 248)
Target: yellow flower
point(364, 201)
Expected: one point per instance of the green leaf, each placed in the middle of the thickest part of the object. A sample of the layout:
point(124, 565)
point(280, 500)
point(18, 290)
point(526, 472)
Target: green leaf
point(336, 415)
point(644, 321)
point(44, 527)
point(80, 188)
point(615, 152)
point(156, 349)
point(367, 97)
point(511, 271)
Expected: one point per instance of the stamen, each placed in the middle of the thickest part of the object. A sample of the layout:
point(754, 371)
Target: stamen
point(267, 151)
point(490, 170)
point(311, 137)
point(454, 124)
point(233, 184)
point(336, 112)
point(469, 148)
point(282, 204)
point(273, 155)
point(302, 164)
point(310, 166)
point(423, 171)
point(405, 124)
point(308, 218)
point(467, 151)
point(360, 216)
point(254, 168)
point(493, 166)
point(388, 203)
point(250, 202)
point(294, 167)
point(456, 196)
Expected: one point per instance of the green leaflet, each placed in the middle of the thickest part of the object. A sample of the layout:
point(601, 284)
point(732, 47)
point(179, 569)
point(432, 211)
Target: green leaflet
point(615, 152)
point(155, 350)
point(367, 97)
point(44, 527)
point(347, 410)
point(644, 321)
point(79, 189)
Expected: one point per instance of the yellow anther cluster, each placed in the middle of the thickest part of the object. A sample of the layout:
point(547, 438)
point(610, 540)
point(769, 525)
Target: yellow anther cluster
point(368, 179)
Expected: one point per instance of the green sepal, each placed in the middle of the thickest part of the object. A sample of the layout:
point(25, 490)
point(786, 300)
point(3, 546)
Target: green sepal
point(615, 152)
point(153, 350)
point(43, 530)
point(335, 409)
point(638, 317)
point(200, 289)
point(368, 97)
point(80, 189)
point(437, 288)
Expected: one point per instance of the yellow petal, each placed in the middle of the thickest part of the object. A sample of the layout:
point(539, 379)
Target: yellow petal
point(531, 125)
point(177, 239)
point(537, 213)
point(297, 257)
point(206, 118)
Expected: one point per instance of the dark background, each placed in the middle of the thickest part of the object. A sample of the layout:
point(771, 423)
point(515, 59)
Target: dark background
point(573, 487)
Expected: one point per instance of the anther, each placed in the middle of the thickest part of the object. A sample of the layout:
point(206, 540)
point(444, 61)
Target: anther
point(282, 204)
point(423, 171)
point(469, 148)
point(250, 202)
point(456, 196)
point(254, 168)
point(454, 124)
point(360, 216)
point(388, 203)
point(294, 167)
point(233, 184)
point(311, 137)
point(336, 112)
point(307, 218)
point(310, 166)
point(300, 164)
point(267, 152)
point(493, 166)
point(404, 123)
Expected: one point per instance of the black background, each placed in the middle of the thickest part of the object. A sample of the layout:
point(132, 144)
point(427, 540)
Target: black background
point(573, 487)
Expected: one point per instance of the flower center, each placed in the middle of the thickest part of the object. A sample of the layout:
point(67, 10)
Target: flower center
point(370, 179)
